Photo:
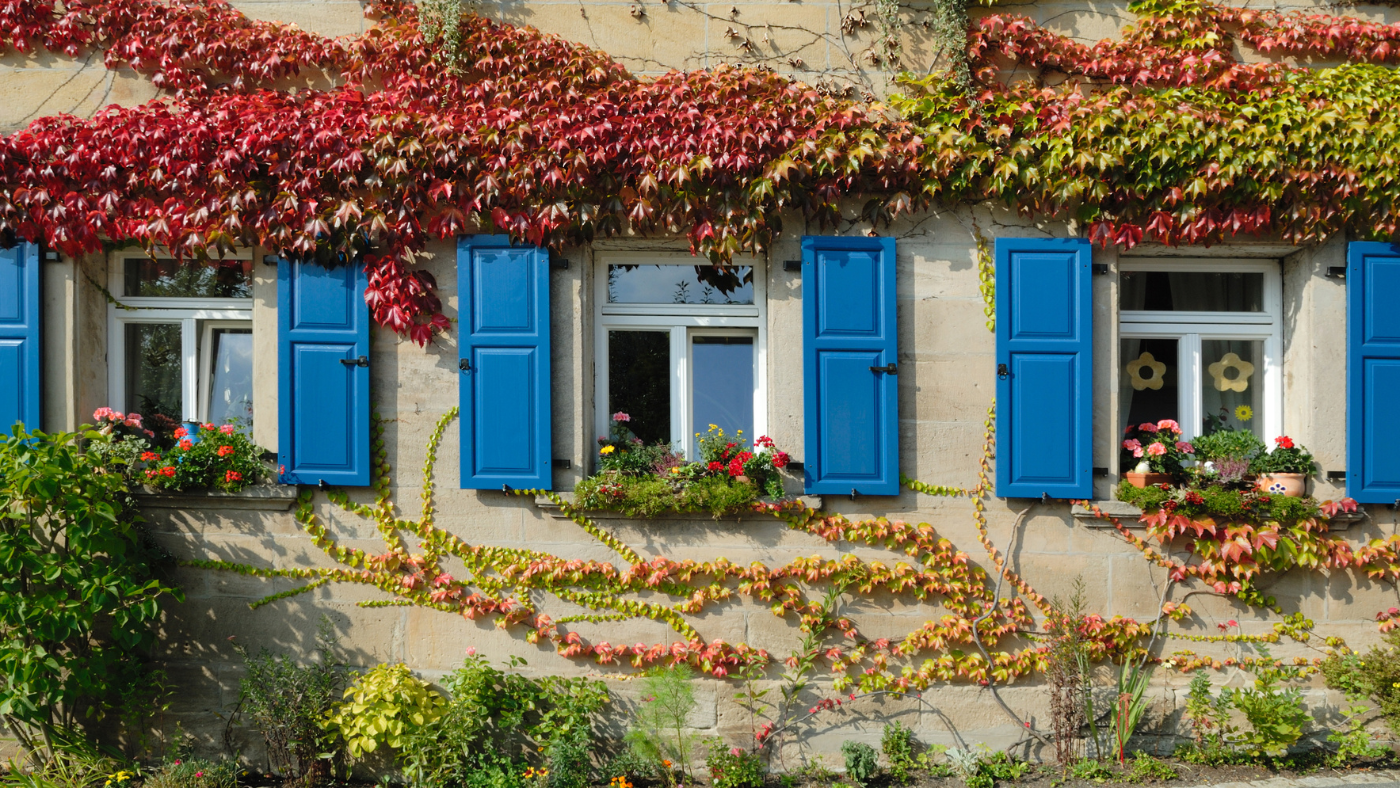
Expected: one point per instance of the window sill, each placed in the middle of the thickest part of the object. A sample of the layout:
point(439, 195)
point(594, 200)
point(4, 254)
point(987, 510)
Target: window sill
point(257, 497)
point(1129, 514)
point(552, 509)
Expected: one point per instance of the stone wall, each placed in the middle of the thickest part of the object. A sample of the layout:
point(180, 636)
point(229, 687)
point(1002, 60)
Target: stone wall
point(946, 383)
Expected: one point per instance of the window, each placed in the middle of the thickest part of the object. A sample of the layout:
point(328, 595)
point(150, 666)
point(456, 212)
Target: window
point(1201, 344)
point(181, 339)
point(680, 347)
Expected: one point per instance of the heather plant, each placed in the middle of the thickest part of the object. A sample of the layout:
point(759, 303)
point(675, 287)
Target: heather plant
point(79, 589)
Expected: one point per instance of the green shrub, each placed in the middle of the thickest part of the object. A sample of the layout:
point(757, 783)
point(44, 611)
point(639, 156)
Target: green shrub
point(1222, 444)
point(1358, 679)
point(1089, 770)
point(732, 767)
point(493, 718)
point(1277, 717)
point(288, 704)
point(218, 458)
point(860, 762)
point(79, 592)
point(1143, 768)
point(385, 706)
point(74, 762)
point(897, 742)
point(1375, 675)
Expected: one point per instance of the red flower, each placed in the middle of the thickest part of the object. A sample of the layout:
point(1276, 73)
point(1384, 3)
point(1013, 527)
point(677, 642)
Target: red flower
point(233, 476)
point(149, 456)
point(716, 465)
point(1194, 498)
point(186, 444)
point(225, 451)
point(780, 459)
point(1284, 442)
point(167, 471)
point(181, 432)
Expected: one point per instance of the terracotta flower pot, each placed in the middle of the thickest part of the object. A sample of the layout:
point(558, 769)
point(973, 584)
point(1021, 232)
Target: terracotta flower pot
point(1292, 485)
point(1147, 479)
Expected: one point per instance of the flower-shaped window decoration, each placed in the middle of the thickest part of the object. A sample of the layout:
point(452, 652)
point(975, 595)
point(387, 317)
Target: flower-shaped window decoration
point(1146, 372)
point(1231, 373)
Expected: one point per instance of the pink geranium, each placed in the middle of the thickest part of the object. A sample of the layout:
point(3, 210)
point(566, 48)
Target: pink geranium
point(227, 429)
point(1168, 424)
point(1147, 426)
point(102, 414)
point(1156, 449)
point(1132, 445)
point(621, 417)
point(1183, 446)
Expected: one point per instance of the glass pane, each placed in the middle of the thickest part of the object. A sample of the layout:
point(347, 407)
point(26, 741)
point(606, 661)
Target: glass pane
point(231, 378)
point(1232, 385)
point(1149, 382)
point(153, 359)
point(189, 279)
point(639, 381)
point(680, 284)
point(722, 368)
point(1191, 291)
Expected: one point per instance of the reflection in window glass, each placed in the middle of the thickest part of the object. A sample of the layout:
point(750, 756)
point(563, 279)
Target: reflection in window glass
point(1191, 291)
point(1149, 382)
point(153, 362)
point(722, 368)
point(639, 382)
point(231, 378)
point(169, 279)
point(680, 284)
point(1232, 386)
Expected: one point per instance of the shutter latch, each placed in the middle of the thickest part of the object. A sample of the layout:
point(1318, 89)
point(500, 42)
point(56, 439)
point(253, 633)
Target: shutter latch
point(464, 365)
point(1001, 371)
point(889, 368)
point(362, 361)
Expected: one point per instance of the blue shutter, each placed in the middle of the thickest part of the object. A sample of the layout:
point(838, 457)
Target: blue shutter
point(503, 293)
point(19, 337)
point(849, 326)
point(322, 388)
point(1373, 372)
point(1045, 373)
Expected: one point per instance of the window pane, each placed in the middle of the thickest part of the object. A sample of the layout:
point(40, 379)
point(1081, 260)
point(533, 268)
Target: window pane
point(1149, 381)
point(1232, 385)
point(680, 284)
point(231, 378)
point(169, 279)
point(639, 381)
point(1191, 291)
point(722, 368)
point(153, 359)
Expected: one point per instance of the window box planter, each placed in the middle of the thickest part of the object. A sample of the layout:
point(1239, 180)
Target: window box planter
point(256, 497)
point(1130, 516)
point(551, 508)
point(1147, 479)
point(1292, 485)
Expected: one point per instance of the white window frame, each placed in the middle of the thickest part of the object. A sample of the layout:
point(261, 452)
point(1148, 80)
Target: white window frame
point(681, 322)
point(1191, 328)
point(189, 313)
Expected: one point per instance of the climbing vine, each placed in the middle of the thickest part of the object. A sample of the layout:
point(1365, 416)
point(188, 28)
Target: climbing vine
point(438, 122)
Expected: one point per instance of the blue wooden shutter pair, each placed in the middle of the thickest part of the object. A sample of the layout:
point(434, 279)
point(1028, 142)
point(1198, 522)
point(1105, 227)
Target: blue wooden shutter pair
point(1045, 376)
point(1373, 372)
point(19, 337)
point(322, 374)
point(503, 344)
point(850, 366)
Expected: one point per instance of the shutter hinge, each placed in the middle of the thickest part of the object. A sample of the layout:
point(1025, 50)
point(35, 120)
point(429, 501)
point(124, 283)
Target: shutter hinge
point(889, 368)
point(1099, 471)
point(558, 261)
point(796, 465)
point(561, 464)
point(1001, 372)
point(1336, 272)
point(854, 494)
point(792, 265)
point(362, 361)
point(1336, 476)
point(1099, 268)
point(464, 365)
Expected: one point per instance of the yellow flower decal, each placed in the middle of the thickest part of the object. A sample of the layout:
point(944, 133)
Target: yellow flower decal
point(1147, 362)
point(1226, 382)
point(1244, 413)
point(607, 450)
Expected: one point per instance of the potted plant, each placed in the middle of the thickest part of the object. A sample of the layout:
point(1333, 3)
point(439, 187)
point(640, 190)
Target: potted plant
point(1285, 470)
point(1226, 455)
point(1154, 453)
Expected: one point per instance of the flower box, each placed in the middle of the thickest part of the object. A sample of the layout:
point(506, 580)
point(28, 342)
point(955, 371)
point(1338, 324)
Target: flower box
point(1147, 479)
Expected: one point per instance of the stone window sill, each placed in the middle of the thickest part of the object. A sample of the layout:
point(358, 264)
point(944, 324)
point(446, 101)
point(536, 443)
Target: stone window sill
point(258, 497)
point(548, 506)
point(1129, 514)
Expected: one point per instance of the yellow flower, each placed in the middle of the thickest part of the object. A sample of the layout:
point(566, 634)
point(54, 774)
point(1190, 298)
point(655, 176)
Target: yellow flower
point(1244, 413)
point(712, 426)
point(607, 450)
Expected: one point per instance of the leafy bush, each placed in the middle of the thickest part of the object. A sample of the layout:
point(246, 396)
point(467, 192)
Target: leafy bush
point(74, 762)
point(1277, 717)
point(288, 703)
point(217, 458)
point(1221, 503)
point(1231, 444)
point(1087, 769)
point(732, 767)
point(667, 700)
point(492, 718)
point(1143, 768)
point(860, 762)
point(79, 593)
point(385, 706)
point(1375, 676)
point(897, 742)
